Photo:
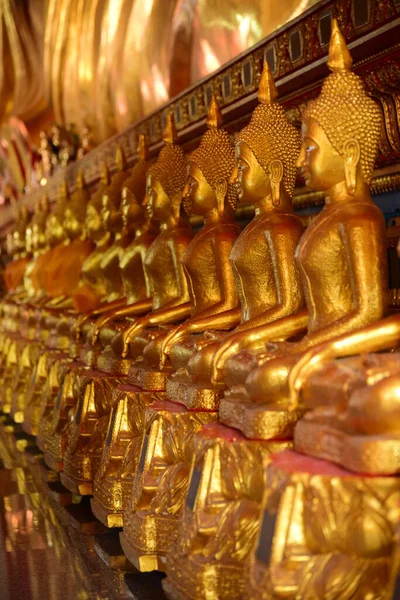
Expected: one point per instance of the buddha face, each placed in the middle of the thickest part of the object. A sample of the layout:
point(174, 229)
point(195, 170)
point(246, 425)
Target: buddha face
point(72, 225)
point(38, 237)
point(252, 181)
point(156, 201)
point(321, 165)
point(130, 209)
point(111, 218)
point(198, 196)
point(93, 221)
point(54, 230)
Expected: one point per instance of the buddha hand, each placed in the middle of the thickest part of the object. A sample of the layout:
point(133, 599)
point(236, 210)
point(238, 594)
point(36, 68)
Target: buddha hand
point(302, 370)
point(231, 346)
point(130, 334)
point(101, 321)
point(170, 339)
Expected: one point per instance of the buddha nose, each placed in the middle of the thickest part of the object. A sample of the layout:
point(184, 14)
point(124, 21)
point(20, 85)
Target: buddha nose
point(146, 200)
point(234, 179)
point(301, 161)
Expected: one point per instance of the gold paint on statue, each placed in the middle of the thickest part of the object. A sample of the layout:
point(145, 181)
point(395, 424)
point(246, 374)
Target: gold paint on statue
point(165, 180)
point(359, 408)
point(206, 260)
point(267, 279)
point(220, 516)
point(334, 533)
point(342, 255)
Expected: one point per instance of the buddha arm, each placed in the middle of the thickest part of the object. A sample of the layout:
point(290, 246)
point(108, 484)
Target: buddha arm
point(176, 309)
point(130, 310)
point(282, 247)
point(221, 315)
point(377, 337)
point(255, 338)
point(363, 240)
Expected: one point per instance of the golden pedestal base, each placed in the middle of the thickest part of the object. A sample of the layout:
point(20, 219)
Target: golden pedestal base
point(332, 537)
point(161, 482)
point(258, 421)
point(183, 390)
point(375, 455)
point(55, 408)
point(45, 382)
point(121, 454)
point(148, 377)
point(109, 362)
point(220, 517)
point(87, 431)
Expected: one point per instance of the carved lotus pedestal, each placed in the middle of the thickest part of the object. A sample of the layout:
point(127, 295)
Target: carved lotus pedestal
point(87, 431)
point(56, 406)
point(120, 458)
point(161, 483)
point(326, 533)
point(181, 389)
point(9, 366)
point(220, 517)
point(27, 355)
point(44, 383)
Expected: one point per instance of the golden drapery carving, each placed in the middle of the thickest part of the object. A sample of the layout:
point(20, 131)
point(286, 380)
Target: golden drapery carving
point(107, 63)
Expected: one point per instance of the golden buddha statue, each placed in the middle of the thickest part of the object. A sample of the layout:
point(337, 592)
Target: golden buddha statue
point(314, 551)
point(210, 277)
point(168, 290)
point(212, 290)
point(359, 407)
point(223, 521)
point(138, 232)
point(91, 290)
point(267, 278)
point(53, 428)
point(335, 261)
point(345, 289)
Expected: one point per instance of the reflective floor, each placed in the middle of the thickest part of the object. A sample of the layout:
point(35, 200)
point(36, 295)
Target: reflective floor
point(44, 557)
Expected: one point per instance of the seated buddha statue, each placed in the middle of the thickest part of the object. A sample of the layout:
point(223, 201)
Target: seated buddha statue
point(266, 153)
point(212, 291)
point(359, 406)
point(168, 291)
point(208, 193)
point(92, 290)
point(266, 275)
point(138, 233)
point(342, 255)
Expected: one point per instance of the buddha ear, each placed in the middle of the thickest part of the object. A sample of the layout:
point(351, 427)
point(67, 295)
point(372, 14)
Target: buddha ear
point(352, 153)
point(276, 176)
point(220, 191)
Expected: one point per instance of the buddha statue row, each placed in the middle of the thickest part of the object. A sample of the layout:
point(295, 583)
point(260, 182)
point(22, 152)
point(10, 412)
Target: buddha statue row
point(180, 363)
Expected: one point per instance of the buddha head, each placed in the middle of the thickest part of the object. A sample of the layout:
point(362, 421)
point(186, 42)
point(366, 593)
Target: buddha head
point(94, 224)
point(266, 149)
point(75, 210)
point(210, 168)
point(111, 198)
point(341, 128)
point(42, 210)
point(134, 189)
point(166, 178)
point(55, 224)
